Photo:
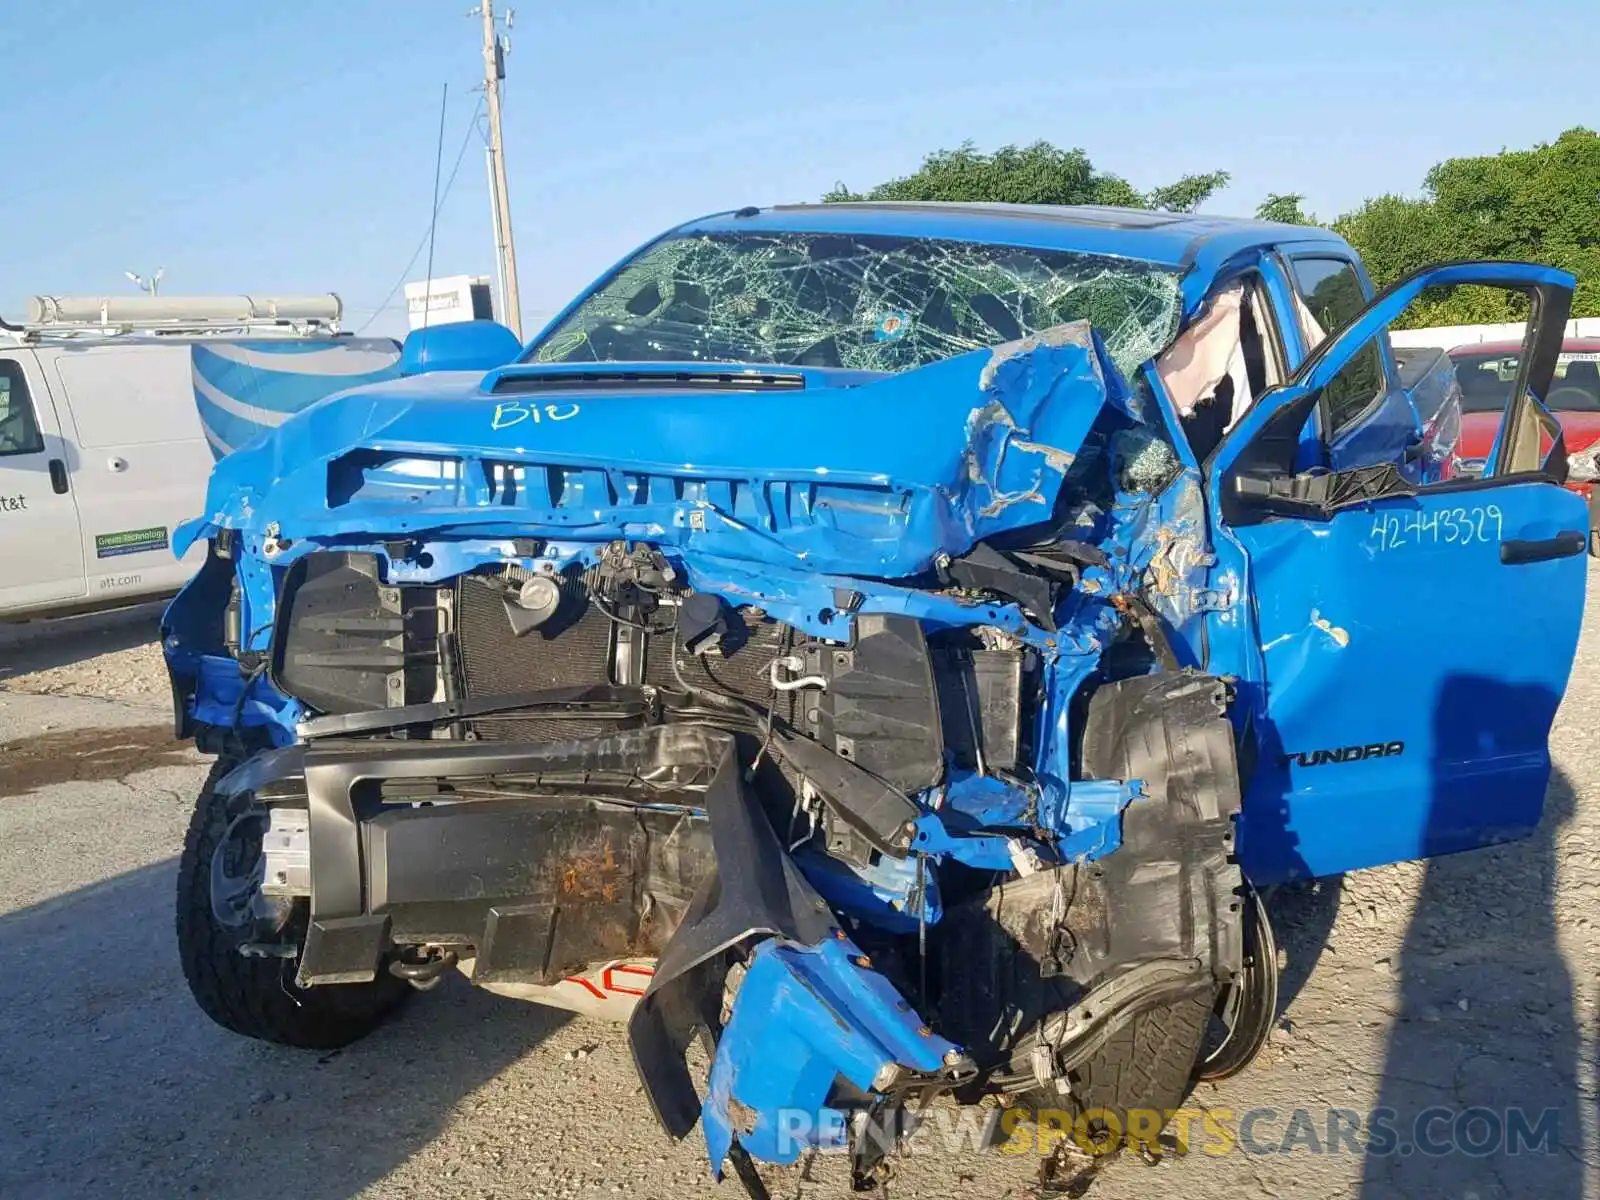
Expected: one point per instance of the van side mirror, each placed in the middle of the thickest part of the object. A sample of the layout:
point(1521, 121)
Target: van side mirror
point(458, 346)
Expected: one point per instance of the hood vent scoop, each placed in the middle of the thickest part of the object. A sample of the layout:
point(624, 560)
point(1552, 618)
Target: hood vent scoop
point(515, 381)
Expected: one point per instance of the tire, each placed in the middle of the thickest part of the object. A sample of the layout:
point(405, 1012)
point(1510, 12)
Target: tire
point(1147, 1065)
point(257, 997)
point(1170, 889)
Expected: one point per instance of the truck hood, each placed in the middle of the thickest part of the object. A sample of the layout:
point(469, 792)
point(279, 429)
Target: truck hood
point(840, 471)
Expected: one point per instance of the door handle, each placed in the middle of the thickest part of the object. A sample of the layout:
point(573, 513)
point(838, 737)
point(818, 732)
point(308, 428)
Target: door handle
point(58, 476)
point(1564, 545)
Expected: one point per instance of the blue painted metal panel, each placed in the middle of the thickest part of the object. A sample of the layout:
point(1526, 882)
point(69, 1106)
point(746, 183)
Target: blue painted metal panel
point(765, 477)
point(1394, 636)
point(804, 1017)
point(1399, 678)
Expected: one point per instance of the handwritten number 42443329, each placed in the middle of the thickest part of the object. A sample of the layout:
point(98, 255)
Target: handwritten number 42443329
point(1439, 527)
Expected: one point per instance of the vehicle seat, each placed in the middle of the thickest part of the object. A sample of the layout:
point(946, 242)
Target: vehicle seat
point(1585, 375)
point(1480, 383)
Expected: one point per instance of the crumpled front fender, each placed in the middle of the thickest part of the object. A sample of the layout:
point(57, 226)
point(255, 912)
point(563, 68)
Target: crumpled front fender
point(753, 891)
point(805, 1017)
point(810, 1008)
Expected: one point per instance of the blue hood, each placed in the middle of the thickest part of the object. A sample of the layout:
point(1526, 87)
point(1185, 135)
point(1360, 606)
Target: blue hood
point(844, 472)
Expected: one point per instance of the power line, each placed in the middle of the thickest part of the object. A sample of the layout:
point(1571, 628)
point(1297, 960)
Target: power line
point(433, 226)
point(422, 243)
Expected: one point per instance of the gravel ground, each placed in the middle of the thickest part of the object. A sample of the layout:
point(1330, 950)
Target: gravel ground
point(111, 656)
point(1468, 981)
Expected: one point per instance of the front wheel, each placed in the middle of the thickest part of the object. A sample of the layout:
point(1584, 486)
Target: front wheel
point(1146, 1067)
point(258, 997)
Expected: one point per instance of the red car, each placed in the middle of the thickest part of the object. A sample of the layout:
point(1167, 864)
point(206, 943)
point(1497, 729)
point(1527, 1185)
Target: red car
point(1486, 370)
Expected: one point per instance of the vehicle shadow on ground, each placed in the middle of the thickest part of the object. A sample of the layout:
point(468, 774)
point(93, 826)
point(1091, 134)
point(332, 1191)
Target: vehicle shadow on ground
point(1303, 915)
point(1482, 1068)
point(1303, 911)
point(117, 1085)
point(43, 645)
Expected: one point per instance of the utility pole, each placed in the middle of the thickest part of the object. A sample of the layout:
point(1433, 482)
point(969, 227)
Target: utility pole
point(494, 70)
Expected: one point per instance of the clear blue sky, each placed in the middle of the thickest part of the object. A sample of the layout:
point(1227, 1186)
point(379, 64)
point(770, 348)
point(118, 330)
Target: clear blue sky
point(289, 146)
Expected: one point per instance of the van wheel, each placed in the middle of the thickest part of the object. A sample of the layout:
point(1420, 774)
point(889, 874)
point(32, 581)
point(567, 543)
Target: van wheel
point(257, 997)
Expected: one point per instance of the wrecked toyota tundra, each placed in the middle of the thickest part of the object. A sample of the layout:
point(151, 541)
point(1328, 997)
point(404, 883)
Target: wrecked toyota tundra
point(879, 648)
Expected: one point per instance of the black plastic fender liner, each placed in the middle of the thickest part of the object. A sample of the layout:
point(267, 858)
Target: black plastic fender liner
point(1170, 730)
point(753, 890)
point(1077, 951)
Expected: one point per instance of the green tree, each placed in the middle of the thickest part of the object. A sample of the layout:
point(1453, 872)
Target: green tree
point(1285, 208)
point(1036, 174)
point(1542, 205)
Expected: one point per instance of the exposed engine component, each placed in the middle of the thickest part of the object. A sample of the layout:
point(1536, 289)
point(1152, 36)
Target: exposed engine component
point(534, 603)
point(286, 852)
point(344, 641)
point(889, 701)
point(702, 623)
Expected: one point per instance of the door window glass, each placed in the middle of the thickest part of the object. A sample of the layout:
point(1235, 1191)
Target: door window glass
point(19, 429)
point(1331, 294)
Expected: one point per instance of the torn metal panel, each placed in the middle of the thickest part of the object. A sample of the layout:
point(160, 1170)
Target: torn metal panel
point(783, 485)
point(1024, 437)
point(1171, 559)
point(805, 1017)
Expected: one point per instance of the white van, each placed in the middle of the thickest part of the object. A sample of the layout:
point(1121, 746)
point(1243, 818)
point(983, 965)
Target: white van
point(112, 412)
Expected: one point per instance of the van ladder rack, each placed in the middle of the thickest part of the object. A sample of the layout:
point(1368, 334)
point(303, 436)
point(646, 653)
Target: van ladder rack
point(58, 316)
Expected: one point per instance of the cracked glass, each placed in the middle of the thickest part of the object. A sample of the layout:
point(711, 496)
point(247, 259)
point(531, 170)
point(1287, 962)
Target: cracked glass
point(858, 302)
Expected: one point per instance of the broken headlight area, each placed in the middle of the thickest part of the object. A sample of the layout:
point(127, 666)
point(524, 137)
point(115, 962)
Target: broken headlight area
point(836, 861)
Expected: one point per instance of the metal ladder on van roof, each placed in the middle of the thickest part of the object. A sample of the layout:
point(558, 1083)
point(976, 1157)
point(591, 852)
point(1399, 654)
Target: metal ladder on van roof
point(108, 316)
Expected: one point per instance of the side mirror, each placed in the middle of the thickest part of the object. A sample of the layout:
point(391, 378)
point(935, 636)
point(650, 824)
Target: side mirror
point(458, 346)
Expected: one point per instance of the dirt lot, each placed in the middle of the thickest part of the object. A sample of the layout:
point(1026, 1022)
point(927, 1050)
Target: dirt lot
point(1469, 981)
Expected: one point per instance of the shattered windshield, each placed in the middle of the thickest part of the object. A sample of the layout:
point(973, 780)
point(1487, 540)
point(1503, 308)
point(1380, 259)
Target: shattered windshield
point(857, 301)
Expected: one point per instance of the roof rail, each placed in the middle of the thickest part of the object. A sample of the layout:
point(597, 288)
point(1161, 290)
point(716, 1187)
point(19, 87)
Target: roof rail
point(54, 316)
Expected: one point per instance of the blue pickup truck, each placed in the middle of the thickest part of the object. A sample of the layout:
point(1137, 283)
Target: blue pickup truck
point(885, 646)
